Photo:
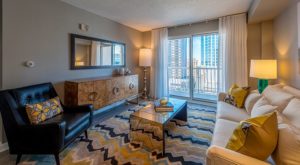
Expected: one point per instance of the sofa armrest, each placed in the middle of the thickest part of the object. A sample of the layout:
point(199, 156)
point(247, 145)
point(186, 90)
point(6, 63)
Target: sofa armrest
point(218, 155)
point(221, 96)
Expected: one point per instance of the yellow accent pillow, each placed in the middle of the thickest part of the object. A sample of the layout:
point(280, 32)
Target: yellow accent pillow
point(232, 87)
point(255, 137)
point(42, 111)
point(237, 95)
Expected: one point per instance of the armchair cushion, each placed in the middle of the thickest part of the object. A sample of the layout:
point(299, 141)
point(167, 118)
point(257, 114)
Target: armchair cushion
point(42, 111)
point(31, 95)
point(72, 120)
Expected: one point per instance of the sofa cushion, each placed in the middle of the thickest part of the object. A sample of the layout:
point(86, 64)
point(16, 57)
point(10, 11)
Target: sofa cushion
point(292, 112)
point(261, 107)
point(230, 112)
point(277, 96)
point(251, 100)
point(293, 91)
point(288, 145)
point(254, 133)
point(222, 132)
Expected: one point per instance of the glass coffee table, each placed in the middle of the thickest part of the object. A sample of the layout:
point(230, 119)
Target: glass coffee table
point(147, 126)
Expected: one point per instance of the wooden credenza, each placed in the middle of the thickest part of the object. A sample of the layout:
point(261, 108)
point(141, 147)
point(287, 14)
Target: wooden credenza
point(100, 91)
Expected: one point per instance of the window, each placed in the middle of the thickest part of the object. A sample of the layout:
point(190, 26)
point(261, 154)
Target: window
point(178, 67)
point(194, 73)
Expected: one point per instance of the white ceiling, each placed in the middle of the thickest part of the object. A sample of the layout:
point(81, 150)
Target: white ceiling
point(263, 10)
point(145, 15)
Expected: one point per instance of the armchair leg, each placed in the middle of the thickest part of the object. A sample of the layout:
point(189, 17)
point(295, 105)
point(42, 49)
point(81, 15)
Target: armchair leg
point(18, 158)
point(57, 159)
point(86, 134)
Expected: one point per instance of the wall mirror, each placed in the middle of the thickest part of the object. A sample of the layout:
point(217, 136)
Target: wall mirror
point(90, 53)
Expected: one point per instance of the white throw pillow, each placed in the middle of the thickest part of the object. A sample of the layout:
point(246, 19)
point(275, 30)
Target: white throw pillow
point(292, 112)
point(277, 96)
point(251, 99)
point(288, 145)
point(261, 107)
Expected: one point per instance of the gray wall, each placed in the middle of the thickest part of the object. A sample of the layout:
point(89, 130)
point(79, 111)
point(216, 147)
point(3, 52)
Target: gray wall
point(146, 44)
point(286, 46)
point(39, 30)
point(253, 49)
point(259, 45)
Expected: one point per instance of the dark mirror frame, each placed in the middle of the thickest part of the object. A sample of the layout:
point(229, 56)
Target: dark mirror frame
point(73, 67)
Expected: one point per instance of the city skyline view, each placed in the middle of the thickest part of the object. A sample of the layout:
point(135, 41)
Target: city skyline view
point(204, 52)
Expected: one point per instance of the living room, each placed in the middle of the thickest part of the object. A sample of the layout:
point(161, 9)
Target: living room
point(150, 82)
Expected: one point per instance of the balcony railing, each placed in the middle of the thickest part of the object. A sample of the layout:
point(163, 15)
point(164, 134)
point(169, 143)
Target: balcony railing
point(205, 81)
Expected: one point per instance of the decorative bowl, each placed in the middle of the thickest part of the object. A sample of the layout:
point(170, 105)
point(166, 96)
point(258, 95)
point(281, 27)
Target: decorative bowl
point(163, 101)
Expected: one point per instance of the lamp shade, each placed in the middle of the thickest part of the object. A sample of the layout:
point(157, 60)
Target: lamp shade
point(263, 69)
point(145, 57)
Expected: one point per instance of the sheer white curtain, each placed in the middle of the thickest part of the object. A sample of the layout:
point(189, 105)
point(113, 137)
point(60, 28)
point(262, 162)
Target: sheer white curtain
point(159, 78)
point(233, 51)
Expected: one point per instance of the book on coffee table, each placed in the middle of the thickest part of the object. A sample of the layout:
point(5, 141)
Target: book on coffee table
point(169, 107)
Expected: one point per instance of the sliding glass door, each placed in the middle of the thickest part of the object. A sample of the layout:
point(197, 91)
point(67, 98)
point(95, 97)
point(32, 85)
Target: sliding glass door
point(205, 66)
point(179, 67)
point(193, 66)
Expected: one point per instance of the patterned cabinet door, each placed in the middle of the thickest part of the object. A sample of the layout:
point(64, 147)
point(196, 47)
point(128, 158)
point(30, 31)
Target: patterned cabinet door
point(100, 88)
point(86, 93)
point(115, 89)
point(131, 85)
point(71, 95)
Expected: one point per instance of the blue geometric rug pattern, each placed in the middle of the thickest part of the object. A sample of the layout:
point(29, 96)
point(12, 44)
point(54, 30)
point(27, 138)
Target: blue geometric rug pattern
point(186, 142)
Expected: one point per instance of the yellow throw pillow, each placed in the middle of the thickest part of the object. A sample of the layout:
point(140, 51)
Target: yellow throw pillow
point(42, 111)
point(255, 137)
point(234, 86)
point(237, 95)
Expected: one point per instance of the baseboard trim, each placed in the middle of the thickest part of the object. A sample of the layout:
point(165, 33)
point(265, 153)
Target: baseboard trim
point(4, 147)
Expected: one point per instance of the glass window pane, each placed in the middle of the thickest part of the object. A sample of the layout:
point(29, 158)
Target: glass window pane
point(178, 67)
point(118, 57)
point(205, 66)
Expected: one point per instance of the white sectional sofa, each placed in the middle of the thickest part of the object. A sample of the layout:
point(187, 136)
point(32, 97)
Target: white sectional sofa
point(228, 117)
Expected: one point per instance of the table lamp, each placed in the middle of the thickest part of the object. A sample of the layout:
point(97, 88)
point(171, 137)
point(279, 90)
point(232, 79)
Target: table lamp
point(145, 61)
point(264, 70)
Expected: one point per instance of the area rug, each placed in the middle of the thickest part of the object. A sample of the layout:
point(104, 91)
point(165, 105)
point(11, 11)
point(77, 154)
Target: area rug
point(186, 142)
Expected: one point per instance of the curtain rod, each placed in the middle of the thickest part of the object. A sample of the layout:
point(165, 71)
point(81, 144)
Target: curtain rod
point(207, 20)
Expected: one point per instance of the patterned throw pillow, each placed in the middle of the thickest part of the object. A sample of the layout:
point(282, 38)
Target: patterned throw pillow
point(236, 95)
point(42, 111)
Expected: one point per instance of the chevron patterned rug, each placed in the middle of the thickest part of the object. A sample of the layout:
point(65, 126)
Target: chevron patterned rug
point(186, 142)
